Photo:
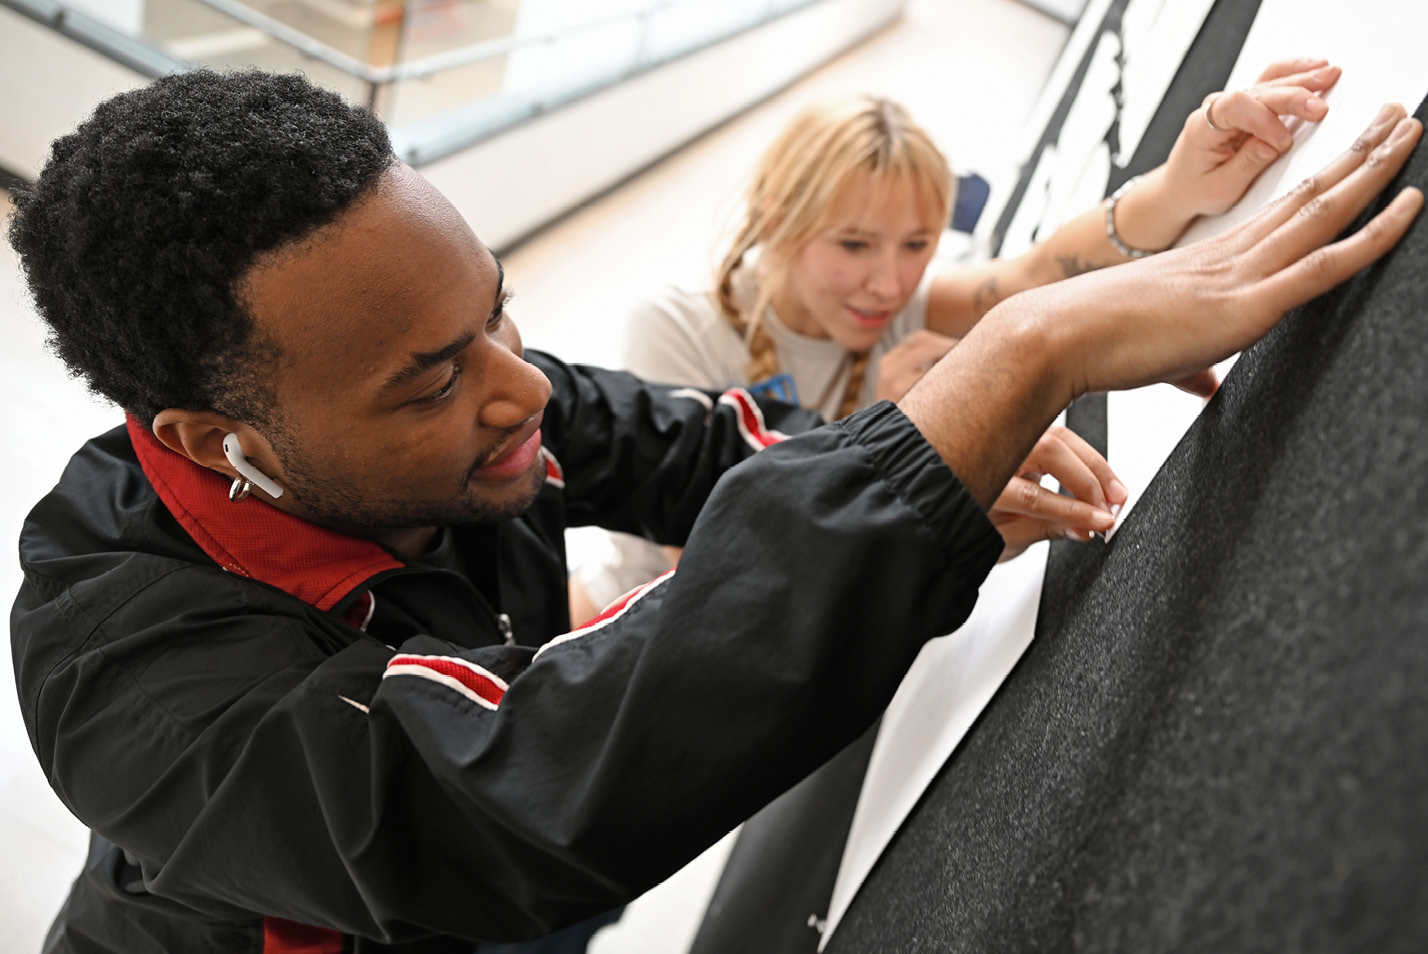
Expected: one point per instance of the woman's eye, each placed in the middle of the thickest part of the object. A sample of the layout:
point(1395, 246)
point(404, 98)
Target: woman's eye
point(917, 245)
point(853, 245)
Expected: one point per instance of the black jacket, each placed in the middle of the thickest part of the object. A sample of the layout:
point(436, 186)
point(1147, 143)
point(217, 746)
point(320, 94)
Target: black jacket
point(281, 734)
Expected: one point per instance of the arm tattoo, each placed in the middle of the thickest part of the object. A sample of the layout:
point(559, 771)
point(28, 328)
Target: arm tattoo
point(1071, 265)
point(985, 296)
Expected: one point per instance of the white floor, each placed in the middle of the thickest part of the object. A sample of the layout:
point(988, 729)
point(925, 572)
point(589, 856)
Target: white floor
point(970, 70)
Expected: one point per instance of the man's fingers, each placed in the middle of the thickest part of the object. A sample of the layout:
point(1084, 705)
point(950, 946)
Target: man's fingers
point(1321, 217)
point(1323, 268)
point(1276, 213)
point(1026, 498)
point(1018, 533)
point(1053, 455)
point(1113, 491)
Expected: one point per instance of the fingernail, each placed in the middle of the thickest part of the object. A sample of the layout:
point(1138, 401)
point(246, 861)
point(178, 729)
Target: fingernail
point(1314, 105)
point(1119, 492)
point(1103, 519)
point(1401, 131)
point(1116, 510)
point(1384, 115)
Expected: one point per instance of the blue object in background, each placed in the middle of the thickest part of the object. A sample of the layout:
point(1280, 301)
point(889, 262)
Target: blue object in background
point(972, 192)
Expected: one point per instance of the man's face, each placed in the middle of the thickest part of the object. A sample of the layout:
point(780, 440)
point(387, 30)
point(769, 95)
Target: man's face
point(401, 392)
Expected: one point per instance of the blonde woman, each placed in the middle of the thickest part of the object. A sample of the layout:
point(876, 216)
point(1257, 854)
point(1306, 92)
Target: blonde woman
point(825, 297)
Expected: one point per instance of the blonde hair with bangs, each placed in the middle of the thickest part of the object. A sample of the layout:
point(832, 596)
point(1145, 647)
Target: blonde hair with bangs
point(796, 185)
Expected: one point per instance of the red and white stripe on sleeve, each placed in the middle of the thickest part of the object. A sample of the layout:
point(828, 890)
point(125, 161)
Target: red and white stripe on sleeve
point(480, 685)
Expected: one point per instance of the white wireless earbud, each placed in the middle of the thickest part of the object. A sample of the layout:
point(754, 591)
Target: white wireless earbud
point(233, 450)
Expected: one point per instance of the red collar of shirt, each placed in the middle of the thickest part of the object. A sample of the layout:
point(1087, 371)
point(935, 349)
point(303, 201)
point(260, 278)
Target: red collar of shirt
point(250, 538)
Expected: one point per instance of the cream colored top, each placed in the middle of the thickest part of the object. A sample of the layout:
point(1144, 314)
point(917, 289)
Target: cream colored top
point(680, 336)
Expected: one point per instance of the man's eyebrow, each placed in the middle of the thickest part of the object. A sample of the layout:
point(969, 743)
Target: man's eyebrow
point(423, 361)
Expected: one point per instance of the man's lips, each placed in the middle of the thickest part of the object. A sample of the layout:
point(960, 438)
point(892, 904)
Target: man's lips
point(514, 461)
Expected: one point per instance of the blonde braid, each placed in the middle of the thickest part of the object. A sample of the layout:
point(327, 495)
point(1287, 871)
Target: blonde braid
point(857, 374)
point(763, 357)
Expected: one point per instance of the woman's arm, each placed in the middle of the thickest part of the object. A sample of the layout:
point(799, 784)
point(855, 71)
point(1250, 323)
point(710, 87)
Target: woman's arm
point(1166, 318)
point(1211, 165)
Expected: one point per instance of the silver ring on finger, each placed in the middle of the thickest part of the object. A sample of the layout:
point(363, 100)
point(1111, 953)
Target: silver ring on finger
point(1215, 98)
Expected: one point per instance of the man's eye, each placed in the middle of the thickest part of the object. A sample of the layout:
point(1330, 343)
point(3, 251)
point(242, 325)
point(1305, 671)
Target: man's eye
point(436, 397)
point(500, 314)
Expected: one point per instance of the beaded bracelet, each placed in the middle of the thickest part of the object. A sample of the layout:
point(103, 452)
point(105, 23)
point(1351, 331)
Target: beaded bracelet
point(1111, 232)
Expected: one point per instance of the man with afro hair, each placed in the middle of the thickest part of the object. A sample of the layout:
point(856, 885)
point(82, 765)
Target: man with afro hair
point(293, 640)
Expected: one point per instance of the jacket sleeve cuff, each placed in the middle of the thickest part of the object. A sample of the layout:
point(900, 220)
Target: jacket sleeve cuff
point(919, 475)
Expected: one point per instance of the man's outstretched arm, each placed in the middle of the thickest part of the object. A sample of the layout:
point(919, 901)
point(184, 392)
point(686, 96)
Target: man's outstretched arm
point(1165, 318)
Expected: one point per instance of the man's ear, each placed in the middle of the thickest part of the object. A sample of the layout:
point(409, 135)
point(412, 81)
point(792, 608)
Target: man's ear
point(198, 435)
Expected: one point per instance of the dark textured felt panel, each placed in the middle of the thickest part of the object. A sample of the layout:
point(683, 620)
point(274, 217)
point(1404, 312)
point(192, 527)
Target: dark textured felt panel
point(784, 863)
point(1219, 739)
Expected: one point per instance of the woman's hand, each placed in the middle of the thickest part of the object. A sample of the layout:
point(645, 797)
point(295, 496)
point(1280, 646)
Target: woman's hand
point(1194, 306)
point(1168, 317)
point(1027, 513)
point(909, 360)
point(1236, 135)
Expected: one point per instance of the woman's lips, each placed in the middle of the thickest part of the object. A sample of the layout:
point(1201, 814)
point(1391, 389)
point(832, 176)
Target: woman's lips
point(514, 462)
point(870, 319)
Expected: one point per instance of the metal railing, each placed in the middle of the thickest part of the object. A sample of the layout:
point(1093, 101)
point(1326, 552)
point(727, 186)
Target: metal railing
point(152, 60)
point(476, 52)
point(132, 52)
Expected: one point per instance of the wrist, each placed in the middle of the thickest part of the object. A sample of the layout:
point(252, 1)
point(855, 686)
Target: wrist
point(1045, 346)
point(985, 404)
point(1147, 216)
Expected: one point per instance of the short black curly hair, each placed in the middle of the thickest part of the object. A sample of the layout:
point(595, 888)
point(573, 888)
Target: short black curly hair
point(144, 221)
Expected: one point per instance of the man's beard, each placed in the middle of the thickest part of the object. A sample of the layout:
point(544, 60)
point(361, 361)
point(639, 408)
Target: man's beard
point(337, 503)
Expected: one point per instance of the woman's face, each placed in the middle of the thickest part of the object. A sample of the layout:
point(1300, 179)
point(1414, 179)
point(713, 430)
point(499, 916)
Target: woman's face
point(860, 269)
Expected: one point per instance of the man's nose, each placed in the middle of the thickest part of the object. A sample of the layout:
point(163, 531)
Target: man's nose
point(518, 391)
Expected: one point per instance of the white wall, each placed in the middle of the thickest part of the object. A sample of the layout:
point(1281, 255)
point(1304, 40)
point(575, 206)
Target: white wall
point(124, 15)
point(517, 182)
point(48, 84)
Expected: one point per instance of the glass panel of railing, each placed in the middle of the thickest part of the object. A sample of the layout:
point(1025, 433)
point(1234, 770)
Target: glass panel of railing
point(477, 65)
point(434, 29)
point(552, 50)
point(557, 50)
point(684, 25)
point(197, 32)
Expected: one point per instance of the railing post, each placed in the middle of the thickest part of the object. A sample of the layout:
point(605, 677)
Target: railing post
point(643, 44)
